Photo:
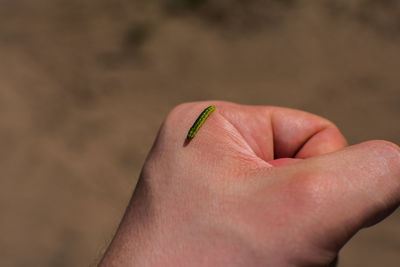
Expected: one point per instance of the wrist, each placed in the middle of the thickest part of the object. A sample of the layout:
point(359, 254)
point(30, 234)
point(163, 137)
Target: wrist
point(160, 236)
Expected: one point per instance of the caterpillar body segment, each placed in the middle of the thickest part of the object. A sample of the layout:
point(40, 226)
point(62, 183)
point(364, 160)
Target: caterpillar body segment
point(199, 122)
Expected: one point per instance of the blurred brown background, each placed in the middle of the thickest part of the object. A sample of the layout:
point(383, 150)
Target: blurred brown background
point(84, 86)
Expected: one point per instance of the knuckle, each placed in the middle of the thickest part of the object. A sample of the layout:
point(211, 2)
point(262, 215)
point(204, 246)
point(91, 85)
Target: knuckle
point(175, 116)
point(179, 119)
point(387, 157)
point(385, 148)
point(177, 112)
point(172, 122)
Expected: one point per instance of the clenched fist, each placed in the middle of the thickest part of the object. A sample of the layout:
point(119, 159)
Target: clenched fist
point(257, 186)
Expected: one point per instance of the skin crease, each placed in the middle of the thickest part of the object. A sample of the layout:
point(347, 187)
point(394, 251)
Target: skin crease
point(257, 186)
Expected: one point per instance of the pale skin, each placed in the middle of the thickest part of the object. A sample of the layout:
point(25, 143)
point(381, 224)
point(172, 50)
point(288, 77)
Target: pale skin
point(257, 186)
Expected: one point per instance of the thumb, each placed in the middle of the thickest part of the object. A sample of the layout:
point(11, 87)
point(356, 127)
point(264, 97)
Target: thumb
point(346, 190)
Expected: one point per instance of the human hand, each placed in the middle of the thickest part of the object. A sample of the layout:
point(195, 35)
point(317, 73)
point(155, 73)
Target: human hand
point(257, 186)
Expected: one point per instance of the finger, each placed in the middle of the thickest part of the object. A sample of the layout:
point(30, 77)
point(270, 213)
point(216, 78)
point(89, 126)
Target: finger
point(337, 194)
point(325, 141)
point(275, 132)
point(270, 132)
point(300, 134)
point(282, 161)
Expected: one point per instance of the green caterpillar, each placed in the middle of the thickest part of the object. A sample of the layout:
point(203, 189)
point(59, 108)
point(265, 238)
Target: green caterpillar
point(199, 121)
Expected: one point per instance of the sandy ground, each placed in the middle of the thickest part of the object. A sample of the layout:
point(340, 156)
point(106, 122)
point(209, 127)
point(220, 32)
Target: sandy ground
point(84, 86)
